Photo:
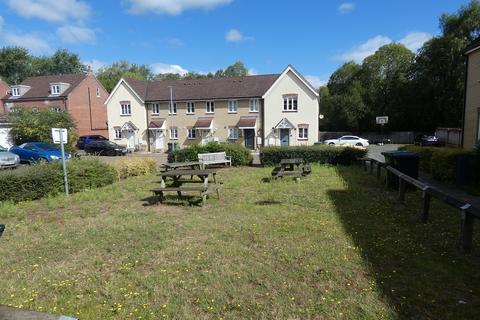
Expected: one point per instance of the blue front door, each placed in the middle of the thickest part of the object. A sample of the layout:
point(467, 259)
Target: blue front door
point(284, 137)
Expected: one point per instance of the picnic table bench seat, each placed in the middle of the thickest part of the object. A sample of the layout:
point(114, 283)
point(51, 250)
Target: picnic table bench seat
point(204, 191)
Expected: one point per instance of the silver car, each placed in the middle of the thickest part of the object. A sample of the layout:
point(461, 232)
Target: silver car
point(8, 159)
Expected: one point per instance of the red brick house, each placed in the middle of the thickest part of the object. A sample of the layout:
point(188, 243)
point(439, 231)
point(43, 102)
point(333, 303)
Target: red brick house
point(81, 95)
point(4, 89)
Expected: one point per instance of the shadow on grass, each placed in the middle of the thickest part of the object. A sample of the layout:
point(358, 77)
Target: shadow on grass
point(417, 266)
point(267, 202)
point(173, 200)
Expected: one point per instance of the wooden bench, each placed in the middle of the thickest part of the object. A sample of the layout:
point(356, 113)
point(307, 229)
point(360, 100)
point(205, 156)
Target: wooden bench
point(206, 159)
point(204, 191)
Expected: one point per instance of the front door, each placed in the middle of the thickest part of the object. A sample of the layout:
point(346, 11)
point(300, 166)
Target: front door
point(159, 140)
point(249, 138)
point(130, 139)
point(284, 137)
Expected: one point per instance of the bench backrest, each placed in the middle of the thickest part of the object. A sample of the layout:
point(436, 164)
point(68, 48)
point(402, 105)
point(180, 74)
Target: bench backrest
point(215, 156)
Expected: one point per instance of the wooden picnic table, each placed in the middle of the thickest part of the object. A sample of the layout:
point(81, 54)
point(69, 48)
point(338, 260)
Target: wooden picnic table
point(287, 169)
point(205, 189)
point(182, 165)
point(289, 164)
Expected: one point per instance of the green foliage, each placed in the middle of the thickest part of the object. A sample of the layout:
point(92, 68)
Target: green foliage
point(30, 183)
point(45, 179)
point(239, 153)
point(16, 64)
point(111, 74)
point(28, 125)
point(323, 154)
point(134, 167)
point(441, 163)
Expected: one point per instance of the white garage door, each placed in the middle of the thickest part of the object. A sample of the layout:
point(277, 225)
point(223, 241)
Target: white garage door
point(4, 138)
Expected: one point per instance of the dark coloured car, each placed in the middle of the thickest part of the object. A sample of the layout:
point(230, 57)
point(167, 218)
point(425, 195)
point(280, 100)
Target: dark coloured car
point(84, 140)
point(426, 140)
point(105, 148)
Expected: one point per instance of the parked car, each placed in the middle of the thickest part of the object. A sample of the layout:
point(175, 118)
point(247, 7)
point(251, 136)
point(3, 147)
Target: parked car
point(8, 159)
point(38, 151)
point(105, 148)
point(426, 140)
point(84, 140)
point(348, 141)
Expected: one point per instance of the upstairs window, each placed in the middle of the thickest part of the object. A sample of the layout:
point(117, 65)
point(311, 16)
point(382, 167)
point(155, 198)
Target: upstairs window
point(55, 89)
point(210, 107)
point(125, 108)
point(232, 106)
point(290, 103)
point(172, 108)
point(190, 107)
point(15, 92)
point(254, 105)
point(156, 108)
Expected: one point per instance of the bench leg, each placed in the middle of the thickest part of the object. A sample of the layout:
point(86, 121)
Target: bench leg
point(179, 194)
point(204, 198)
point(161, 197)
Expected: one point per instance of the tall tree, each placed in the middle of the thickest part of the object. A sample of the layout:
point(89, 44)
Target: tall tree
point(15, 64)
point(110, 75)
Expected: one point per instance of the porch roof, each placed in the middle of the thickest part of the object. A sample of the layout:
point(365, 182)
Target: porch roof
point(203, 123)
point(157, 124)
point(247, 123)
point(284, 124)
point(129, 126)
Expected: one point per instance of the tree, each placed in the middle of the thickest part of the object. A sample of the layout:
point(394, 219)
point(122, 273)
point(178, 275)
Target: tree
point(28, 125)
point(110, 75)
point(235, 70)
point(15, 64)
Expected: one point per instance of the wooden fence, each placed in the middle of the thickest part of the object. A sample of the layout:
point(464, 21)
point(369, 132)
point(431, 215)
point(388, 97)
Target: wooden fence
point(467, 212)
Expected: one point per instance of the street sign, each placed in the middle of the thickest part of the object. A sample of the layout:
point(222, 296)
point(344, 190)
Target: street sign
point(383, 120)
point(59, 134)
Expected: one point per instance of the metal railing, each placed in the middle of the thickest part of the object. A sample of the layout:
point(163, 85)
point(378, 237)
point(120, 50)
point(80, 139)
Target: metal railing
point(467, 212)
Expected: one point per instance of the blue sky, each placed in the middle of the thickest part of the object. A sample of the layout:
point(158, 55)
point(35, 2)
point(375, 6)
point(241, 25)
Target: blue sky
point(315, 36)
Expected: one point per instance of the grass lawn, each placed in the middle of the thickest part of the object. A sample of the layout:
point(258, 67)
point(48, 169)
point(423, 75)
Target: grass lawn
point(334, 246)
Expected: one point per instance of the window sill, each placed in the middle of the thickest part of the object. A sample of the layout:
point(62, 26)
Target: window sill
point(172, 114)
point(191, 138)
point(250, 111)
point(290, 111)
point(232, 112)
point(210, 112)
point(190, 113)
point(302, 139)
point(125, 115)
point(155, 114)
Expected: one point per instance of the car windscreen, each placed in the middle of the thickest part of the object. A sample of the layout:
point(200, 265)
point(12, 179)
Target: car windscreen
point(3, 149)
point(45, 146)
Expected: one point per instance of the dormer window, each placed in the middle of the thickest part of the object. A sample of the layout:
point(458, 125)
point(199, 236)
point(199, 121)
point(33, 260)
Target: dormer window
point(15, 92)
point(55, 89)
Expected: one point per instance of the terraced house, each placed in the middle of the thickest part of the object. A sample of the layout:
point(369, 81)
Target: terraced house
point(261, 110)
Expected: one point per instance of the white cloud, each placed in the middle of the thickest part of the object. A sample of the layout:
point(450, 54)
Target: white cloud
point(234, 35)
point(51, 10)
point(31, 41)
point(172, 7)
point(346, 7)
point(74, 34)
point(360, 52)
point(415, 40)
point(316, 81)
point(175, 42)
point(95, 64)
point(168, 68)
point(252, 72)
point(1, 24)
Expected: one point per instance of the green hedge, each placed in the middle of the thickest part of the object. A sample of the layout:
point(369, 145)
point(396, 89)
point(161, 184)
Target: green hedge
point(45, 179)
point(441, 163)
point(318, 153)
point(240, 154)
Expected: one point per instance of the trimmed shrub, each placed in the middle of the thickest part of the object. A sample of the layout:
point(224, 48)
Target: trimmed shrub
point(319, 153)
point(134, 167)
point(30, 183)
point(46, 179)
point(441, 163)
point(240, 154)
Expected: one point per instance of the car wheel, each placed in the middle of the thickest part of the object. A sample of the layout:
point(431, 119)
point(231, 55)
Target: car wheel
point(359, 144)
point(112, 153)
point(331, 144)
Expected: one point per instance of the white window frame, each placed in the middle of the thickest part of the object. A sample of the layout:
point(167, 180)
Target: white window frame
point(254, 105)
point(55, 89)
point(118, 133)
point(210, 107)
point(172, 108)
point(15, 92)
point(191, 134)
point(98, 92)
point(232, 106)
point(155, 108)
point(34, 109)
point(191, 107)
point(233, 133)
point(303, 133)
point(173, 133)
point(56, 109)
point(125, 109)
point(290, 103)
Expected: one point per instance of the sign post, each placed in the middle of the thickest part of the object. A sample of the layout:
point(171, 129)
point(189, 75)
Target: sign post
point(60, 136)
